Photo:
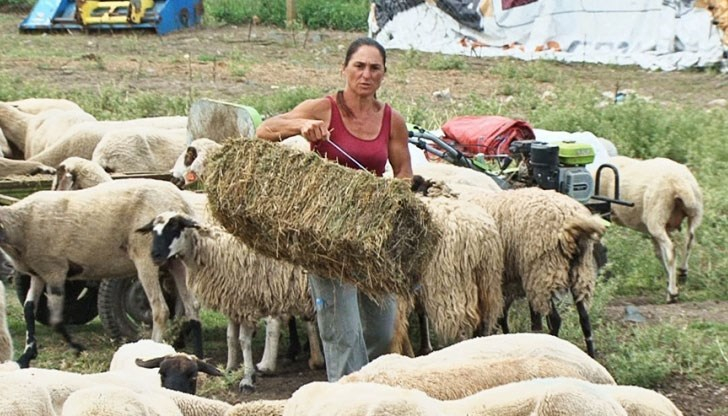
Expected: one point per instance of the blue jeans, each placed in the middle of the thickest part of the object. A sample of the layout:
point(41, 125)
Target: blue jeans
point(353, 327)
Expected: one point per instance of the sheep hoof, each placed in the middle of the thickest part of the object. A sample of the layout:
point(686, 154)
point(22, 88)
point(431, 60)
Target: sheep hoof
point(682, 276)
point(264, 371)
point(673, 298)
point(246, 388)
point(315, 364)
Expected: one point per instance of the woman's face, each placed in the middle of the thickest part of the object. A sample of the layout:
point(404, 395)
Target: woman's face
point(365, 71)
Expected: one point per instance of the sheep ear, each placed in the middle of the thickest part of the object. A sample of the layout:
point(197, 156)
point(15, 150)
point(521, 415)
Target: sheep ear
point(150, 363)
point(146, 228)
point(190, 156)
point(208, 368)
point(189, 223)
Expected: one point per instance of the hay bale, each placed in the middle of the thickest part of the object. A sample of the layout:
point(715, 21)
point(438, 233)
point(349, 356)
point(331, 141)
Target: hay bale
point(334, 221)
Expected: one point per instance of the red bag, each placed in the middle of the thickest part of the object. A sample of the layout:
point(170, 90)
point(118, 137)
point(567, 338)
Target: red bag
point(490, 135)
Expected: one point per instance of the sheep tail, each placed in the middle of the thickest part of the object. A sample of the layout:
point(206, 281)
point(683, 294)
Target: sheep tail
point(690, 199)
point(577, 232)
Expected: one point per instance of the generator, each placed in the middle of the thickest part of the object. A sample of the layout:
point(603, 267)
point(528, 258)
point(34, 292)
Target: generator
point(559, 166)
point(160, 16)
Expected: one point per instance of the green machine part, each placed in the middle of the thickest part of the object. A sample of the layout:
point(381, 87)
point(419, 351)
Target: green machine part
point(575, 154)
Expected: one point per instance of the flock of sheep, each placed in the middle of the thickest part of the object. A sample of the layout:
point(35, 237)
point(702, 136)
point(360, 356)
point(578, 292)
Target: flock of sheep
point(497, 246)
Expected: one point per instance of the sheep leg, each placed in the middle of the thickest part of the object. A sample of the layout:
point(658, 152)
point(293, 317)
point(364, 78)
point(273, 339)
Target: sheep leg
point(503, 320)
point(425, 343)
point(553, 320)
point(192, 310)
point(536, 322)
point(294, 344)
point(29, 306)
point(316, 359)
point(233, 335)
point(683, 271)
point(247, 329)
point(585, 327)
point(267, 364)
point(149, 278)
point(56, 293)
point(667, 254)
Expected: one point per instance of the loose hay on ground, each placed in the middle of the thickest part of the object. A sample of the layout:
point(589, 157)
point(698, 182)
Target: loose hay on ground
point(332, 220)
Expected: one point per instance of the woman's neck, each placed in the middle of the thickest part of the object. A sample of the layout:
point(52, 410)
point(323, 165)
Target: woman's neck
point(360, 104)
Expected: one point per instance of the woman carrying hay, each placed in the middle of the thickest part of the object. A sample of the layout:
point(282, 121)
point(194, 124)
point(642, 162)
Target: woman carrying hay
point(356, 130)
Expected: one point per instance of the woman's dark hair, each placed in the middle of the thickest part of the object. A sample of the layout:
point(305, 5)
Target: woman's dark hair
point(353, 47)
point(364, 41)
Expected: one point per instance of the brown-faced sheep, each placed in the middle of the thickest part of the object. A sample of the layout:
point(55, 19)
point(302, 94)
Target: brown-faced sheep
point(664, 193)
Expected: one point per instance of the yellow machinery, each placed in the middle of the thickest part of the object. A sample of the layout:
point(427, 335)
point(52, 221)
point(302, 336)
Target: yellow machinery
point(102, 11)
point(162, 16)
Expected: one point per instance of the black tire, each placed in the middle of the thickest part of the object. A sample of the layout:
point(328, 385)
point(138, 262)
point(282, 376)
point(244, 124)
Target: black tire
point(79, 306)
point(124, 308)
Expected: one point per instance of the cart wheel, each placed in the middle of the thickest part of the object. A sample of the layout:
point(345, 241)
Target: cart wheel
point(79, 306)
point(124, 308)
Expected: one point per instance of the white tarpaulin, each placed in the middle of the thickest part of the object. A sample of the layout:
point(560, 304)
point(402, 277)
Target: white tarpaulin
point(654, 34)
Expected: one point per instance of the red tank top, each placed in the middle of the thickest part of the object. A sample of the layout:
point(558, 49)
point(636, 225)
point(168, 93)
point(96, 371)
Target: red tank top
point(372, 154)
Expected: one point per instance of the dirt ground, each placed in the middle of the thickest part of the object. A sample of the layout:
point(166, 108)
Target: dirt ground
point(229, 62)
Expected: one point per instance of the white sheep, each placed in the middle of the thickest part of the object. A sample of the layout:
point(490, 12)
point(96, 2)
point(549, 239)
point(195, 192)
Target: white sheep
point(118, 401)
point(461, 289)
point(225, 275)
point(10, 167)
point(24, 397)
point(141, 149)
point(38, 105)
point(258, 408)
point(480, 363)
point(62, 384)
point(544, 397)
point(664, 193)
point(190, 165)
point(6, 341)
point(46, 235)
point(548, 241)
point(451, 174)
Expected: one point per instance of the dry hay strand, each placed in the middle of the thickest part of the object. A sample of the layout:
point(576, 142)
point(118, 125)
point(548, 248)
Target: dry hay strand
point(332, 220)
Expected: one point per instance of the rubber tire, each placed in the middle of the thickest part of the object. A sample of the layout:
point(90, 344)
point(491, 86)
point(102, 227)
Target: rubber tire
point(124, 308)
point(76, 311)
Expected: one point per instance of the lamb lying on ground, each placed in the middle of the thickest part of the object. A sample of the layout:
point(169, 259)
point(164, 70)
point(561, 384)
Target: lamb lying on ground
point(664, 193)
point(481, 363)
point(545, 397)
point(177, 371)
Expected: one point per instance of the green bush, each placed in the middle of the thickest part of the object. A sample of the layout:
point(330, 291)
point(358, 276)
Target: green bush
point(348, 15)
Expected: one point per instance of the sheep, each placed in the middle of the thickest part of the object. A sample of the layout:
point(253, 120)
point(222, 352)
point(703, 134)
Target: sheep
point(664, 193)
point(548, 242)
point(62, 134)
point(45, 235)
point(60, 385)
point(461, 290)
point(139, 149)
point(177, 371)
point(24, 397)
point(451, 174)
point(118, 401)
point(190, 165)
point(258, 408)
point(219, 265)
point(4, 145)
point(547, 397)
point(10, 167)
point(38, 105)
point(480, 363)
point(6, 341)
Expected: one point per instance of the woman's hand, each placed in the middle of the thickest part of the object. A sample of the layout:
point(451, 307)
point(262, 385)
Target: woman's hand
point(314, 130)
